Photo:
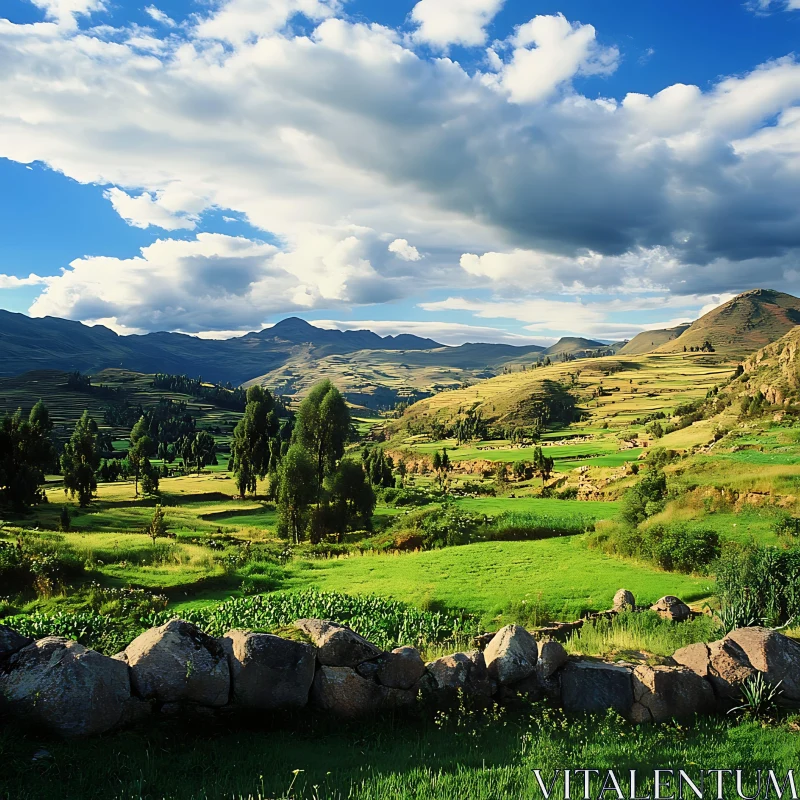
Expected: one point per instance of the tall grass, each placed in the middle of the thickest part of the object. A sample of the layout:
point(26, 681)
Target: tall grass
point(644, 631)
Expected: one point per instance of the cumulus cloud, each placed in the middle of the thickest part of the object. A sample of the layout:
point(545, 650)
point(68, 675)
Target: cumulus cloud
point(402, 249)
point(146, 210)
point(445, 22)
point(336, 137)
point(65, 11)
point(13, 282)
point(546, 53)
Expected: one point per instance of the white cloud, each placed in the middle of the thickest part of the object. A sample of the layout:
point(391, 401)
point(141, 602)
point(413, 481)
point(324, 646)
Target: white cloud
point(450, 333)
point(336, 138)
point(549, 51)
point(146, 210)
point(405, 251)
point(13, 282)
point(159, 16)
point(65, 11)
point(445, 22)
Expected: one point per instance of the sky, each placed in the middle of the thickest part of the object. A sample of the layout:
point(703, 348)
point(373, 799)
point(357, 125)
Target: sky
point(469, 170)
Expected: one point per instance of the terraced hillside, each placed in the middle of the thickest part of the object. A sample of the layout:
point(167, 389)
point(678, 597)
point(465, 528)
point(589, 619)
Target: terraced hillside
point(610, 391)
point(648, 341)
point(742, 325)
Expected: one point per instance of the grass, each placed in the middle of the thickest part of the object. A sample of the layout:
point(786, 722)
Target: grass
point(502, 582)
point(466, 755)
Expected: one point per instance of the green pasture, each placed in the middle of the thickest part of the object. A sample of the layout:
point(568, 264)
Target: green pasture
point(501, 582)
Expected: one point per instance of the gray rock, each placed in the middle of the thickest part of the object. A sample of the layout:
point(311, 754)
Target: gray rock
point(596, 686)
point(343, 692)
point(464, 671)
point(552, 656)
point(624, 601)
point(774, 654)
point(511, 656)
point(178, 663)
point(724, 664)
point(662, 693)
point(11, 642)
point(401, 669)
point(337, 645)
point(672, 608)
point(66, 688)
point(269, 672)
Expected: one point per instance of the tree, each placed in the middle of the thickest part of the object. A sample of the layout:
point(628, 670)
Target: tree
point(644, 498)
point(322, 427)
point(402, 471)
point(150, 478)
point(139, 455)
point(352, 499)
point(80, 460)
point(542, 464)
point(297, 489)
point(158, 525)
point(64, 520)
point(204, 449)
point(26, 452)
point(254, 448)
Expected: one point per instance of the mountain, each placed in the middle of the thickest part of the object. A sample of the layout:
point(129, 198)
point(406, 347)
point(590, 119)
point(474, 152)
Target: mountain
point(50, 343)
point(577, 346)
point(647, 341)
point(741, 326)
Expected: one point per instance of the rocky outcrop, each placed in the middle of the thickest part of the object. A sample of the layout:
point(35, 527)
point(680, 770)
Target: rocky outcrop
point(64, 687)
point(663, 693)
point(343, 692)
point(268, 672)
point(672, 608)
point(11, 642)
point(512, 655)
point(596, 686)
point(337, 645)
point(178, 663)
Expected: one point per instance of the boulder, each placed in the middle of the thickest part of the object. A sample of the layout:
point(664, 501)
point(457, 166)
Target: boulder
point(11, 642)
point(511, 656)
point(401, 669)
point(624, 601)
point(662, 693)
point(596, 686)
point(268, 672)
point(178, 663)
point(337, 645)
point(774, 654)
point(464, 671)
point(66, 688)
point(672, 608)
point(723, 663)
point(343, 692)
point(552, 656)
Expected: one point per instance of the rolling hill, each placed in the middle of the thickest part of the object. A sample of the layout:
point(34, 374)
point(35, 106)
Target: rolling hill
point(647, 341)
point(741, 326)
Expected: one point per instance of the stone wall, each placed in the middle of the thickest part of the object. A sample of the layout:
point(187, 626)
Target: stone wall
point(63, 687)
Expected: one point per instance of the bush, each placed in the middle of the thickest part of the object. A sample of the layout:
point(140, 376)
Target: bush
point(528, 525)
point(759, 585)
point(644, 498)
point(675, 547)
point(399, 498)
point(40, 564)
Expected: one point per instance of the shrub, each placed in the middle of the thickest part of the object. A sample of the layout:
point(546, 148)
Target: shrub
point(644, 498)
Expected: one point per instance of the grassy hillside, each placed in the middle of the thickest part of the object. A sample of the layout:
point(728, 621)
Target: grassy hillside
point(648, 341)
point(775, 370)
point(741, 326)
point(610, 391)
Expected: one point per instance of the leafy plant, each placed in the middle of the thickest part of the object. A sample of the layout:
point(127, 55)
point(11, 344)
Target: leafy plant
point(759, 696)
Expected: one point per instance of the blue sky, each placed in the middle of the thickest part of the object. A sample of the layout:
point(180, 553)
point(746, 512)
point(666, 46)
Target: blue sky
point(465, 169)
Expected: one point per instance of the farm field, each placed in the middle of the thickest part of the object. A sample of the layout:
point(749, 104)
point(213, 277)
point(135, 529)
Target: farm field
point(503, 582)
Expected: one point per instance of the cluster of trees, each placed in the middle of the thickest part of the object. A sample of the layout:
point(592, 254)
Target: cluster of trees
point(319, 492)
point(26, 454)
point(224, 396)
point(706, 347)
point(379, 467)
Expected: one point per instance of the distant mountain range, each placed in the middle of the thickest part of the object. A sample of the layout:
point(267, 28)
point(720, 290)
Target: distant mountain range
point(372, 370)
